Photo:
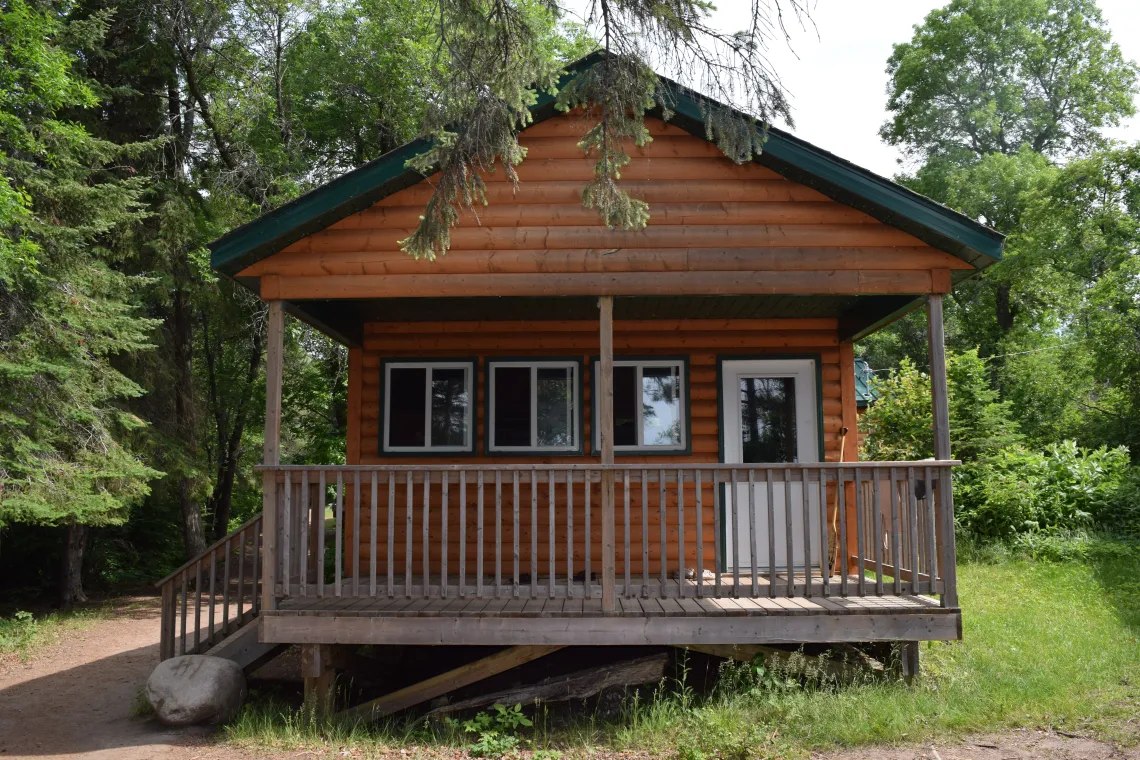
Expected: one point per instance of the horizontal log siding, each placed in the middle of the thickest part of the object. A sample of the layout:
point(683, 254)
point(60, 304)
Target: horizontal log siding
point(707, 215)
point(700, 340)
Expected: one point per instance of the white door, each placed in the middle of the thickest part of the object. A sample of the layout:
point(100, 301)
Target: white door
point(770, 416)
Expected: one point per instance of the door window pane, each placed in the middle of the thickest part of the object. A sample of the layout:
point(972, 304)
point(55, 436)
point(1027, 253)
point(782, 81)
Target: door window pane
point(768, 419)
point(512, 406)
point(406, 390)
point(449, 405)
point(661, 406)
point(555, 406)
point(625, 406)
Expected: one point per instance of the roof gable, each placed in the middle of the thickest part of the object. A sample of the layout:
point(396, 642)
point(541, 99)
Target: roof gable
point(791, 157)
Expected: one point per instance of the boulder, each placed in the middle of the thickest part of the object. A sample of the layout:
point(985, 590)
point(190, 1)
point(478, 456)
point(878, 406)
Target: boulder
point(195, 689)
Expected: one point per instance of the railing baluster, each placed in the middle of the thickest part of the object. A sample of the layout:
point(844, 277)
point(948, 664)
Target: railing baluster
point(771, 535)
point(462, 534)
point(841, 548)
point(680, 533)
point(287, 536)
point(533, 534)
point(625, 536)
point(356, 532)
point(734, 495)
point(213, 592)
point(445, 479)
point(198, 607)
point(824, 543)
point(409, 531)
point(805, 510)
point(322, 495)
point(241, 577)
point(588, 590)
point(339, 548)
point(498, 533)
point(932, 550)
point(912, 516)
point(790, 556)
point(182, 638)
point(552, 559)
point(255, 603)
point(303, 549)
point(425, 534)
point(515, 534)
point(569, 534)
point(373, 548)
point(664, 529)
point(479, 536)
point(644, 533)
point(699, 575)
point(718, 550)
point(226, 589)
point(876, 505)
point(896, 535)
point(860, 521)
point(391, 534)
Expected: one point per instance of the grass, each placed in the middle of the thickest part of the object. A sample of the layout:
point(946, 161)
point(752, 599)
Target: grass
point(23, 633)
point(1047, 644)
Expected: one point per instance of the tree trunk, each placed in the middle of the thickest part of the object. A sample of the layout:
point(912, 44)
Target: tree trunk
point(193, 534)
point(71, 575)
point(1003, 308)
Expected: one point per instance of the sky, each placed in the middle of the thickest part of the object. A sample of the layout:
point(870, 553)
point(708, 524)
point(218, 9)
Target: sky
point(836, 71)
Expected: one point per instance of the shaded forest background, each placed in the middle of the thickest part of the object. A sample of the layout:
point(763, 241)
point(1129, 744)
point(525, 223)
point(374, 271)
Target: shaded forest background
point(134, 133)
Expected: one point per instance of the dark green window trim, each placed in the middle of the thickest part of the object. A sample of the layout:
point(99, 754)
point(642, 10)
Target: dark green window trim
point(426, 451)
point(580, 417)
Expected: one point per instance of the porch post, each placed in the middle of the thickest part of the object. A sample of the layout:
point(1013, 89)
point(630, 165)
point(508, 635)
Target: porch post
point(274, 348)
point(606, 437)
point(941, 408)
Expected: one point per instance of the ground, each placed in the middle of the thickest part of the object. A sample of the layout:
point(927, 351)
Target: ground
point(75, 698)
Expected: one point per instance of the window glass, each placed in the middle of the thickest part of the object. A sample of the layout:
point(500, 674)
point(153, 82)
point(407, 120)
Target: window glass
point(512, 406)
point(625, 405)
point(555, 406)
point(768, 419)
point(449, 405)
point(661, 406)
point(407, 387)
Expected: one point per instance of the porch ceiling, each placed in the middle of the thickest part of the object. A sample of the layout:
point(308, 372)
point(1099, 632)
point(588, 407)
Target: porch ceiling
point(344, 319)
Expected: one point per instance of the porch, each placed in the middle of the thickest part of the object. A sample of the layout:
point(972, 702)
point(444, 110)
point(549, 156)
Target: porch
point(525, 555)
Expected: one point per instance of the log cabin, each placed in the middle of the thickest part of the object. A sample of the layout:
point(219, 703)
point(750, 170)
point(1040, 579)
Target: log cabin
point(564, 434)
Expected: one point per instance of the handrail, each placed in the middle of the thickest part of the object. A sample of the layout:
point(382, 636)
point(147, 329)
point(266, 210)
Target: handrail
point(212, 547)
point(189, 580)
point(577, 467)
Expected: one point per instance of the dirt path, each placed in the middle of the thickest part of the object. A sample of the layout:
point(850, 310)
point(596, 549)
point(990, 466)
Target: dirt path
point(74, 699)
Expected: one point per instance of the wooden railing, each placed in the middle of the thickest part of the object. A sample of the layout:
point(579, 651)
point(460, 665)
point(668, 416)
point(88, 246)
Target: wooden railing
point(212, 595)
point(458, 531)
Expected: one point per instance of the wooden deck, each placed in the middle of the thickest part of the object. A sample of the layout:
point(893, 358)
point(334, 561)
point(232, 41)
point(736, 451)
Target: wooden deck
point(645, 620)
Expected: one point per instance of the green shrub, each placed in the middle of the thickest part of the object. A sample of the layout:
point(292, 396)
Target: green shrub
point(1015, 491)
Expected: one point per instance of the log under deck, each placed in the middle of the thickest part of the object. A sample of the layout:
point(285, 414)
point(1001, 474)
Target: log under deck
point(577, 621)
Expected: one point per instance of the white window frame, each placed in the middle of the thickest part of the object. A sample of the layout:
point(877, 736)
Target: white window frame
point(574, 414)
point(468, 368)
point(682, 397)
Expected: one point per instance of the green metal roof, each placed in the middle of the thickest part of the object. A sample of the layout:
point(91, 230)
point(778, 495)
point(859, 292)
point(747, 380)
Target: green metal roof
point(864, 395)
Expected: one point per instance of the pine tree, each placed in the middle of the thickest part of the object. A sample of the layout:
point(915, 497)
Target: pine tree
point(496, 57)
point(65, 312)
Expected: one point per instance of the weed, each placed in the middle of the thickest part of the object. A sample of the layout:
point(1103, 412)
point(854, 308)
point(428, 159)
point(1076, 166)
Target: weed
point(497, 731)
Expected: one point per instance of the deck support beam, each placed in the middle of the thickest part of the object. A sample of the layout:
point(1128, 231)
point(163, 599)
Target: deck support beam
point(436, 686)
point(606, 438)
point(274, 358)
point(947, 563)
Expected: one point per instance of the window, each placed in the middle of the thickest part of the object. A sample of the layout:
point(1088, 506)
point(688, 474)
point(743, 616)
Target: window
point(649, 405)
point(534, 406)
point(427, 406)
